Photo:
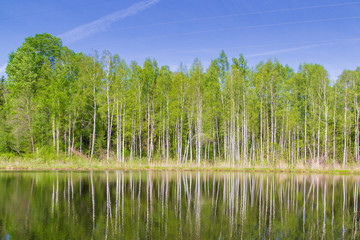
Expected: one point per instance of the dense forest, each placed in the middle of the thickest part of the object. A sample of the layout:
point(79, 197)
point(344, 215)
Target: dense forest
point(98, 106)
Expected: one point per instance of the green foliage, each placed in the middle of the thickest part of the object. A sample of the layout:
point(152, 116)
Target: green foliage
point(65, 103)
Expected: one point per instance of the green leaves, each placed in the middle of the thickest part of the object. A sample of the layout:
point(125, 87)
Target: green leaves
point(55, 97)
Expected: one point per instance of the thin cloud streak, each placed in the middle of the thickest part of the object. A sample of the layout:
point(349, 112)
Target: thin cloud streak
point(239, 14)
point(286, 50)
point(103, 23)
point(250, 27)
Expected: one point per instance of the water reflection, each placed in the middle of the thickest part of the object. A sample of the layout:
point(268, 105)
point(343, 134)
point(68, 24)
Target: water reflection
point(177, 205)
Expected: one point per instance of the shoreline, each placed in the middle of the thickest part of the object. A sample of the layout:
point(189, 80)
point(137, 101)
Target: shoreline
point(85, 165)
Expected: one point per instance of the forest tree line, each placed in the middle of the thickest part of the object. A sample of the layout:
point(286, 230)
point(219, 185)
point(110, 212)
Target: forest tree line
point(98, 106)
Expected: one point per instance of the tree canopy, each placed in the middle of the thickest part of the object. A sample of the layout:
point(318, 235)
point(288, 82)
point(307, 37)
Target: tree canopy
point(58, 101)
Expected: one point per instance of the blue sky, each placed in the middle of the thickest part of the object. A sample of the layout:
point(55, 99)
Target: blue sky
point(173, 31)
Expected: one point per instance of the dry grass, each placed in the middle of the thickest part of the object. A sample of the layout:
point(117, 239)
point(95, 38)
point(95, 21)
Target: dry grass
point(77, 163)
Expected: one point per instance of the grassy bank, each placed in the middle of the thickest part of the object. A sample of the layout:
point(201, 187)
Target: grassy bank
point(76, 163)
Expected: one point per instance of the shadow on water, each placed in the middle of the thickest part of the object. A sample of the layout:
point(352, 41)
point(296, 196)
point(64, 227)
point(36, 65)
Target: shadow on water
point(177, 205)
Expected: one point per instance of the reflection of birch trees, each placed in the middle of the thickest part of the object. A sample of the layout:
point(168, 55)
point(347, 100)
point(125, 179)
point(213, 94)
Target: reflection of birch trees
point(183, 205)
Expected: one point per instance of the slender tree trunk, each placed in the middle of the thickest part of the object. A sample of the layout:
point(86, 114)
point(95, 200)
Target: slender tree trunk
point(305, 133)
point(246, 139)
point(345, 130)
point(214, 145)
point(167, 132)
point(53, 132)
point(29, 126)
point(140, 122)
point(282, 136)
point(69, 136)
point(318, 142)
point(267, 135)
point(198, 127)
point(108, 139)
point(65, 141)
point(334, 142)
point(94, 124)
point(272, 118)
point(123, 138)
point(152, 129)
point(148, 132)
point(326, 125)
point(190, 137)
point(356, 125)
point(261, 132)
point(118, 131)
point(326, 133)
point(181, 132)
point(57, 140)
point(73, 133)
point(81, 134)
point(357, 134)
point(313, 135)
point(238, 140)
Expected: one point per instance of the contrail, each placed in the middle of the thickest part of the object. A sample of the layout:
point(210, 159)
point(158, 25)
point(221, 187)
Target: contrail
point(251, 27)
point(287, 50)
point(103, 23)
point(319, 44)
point(240, 14)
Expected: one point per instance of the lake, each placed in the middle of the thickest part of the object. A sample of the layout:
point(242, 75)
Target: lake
point(177, 205)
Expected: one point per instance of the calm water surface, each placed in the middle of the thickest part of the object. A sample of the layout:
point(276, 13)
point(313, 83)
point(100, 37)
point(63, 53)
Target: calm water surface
point(177, 205)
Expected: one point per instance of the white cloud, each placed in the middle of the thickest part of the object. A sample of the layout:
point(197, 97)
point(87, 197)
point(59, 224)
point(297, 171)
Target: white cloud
point(2, 69)
point(103, 23)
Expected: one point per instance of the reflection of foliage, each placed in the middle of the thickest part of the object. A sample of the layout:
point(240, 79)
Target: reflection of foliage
point(165, 205)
